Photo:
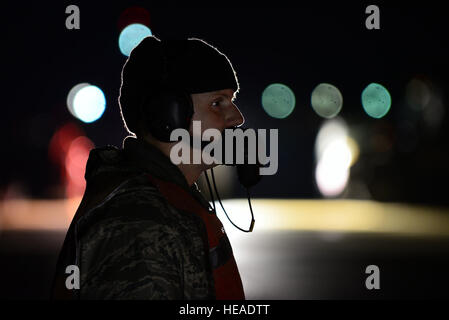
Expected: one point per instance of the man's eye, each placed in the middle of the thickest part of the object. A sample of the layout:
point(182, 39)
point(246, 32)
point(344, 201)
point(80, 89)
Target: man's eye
point(216, 103)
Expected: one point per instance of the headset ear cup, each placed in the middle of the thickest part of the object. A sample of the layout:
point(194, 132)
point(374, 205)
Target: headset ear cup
point(168, 110)
point(170, 107)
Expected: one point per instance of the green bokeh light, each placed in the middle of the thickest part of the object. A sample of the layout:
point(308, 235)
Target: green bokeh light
point(376, 100)
point(278, 100)
point(326, 100)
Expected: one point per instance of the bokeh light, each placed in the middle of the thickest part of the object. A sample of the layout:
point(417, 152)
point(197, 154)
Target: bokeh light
point(331, 175)
point(326, 100)
point(131, 36)
point(425, 103)
point(335, 153)
point(69, 148)
point(418, 93)
point(354, 149)
point(61, 140)
point(376, 100)
point(333, 130)
point(71, 96)
point(89, 103)
point(133, 15)
point(278, 100)
point(75, 165)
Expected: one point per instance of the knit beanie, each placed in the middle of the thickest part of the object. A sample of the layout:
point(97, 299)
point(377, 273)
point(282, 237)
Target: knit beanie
point(190, 65)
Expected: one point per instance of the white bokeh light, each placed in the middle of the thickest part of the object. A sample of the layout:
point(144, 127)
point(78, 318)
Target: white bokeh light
point(71, 96)
point(330, 131)
point(89, 104)
point(334, 158)
point(332, 171)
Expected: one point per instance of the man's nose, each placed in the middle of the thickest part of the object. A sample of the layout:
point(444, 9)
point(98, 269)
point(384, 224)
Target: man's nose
point(234, 118)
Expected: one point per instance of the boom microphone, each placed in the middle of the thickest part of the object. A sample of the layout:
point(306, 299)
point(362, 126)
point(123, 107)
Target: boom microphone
point(248, 175)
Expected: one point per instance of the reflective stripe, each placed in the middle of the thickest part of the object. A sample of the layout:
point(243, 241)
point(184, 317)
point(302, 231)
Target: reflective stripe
point(220, 254)
point(227, 281)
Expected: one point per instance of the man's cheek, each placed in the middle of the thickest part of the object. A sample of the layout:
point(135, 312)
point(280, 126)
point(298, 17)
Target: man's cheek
point(194, 118)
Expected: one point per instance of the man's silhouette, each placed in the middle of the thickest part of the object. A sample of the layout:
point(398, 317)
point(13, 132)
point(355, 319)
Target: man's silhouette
point(143, 230)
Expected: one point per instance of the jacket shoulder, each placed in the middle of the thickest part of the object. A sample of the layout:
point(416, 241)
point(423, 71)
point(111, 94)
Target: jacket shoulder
point(135, 198)
point(131, 259)
point(160, 248)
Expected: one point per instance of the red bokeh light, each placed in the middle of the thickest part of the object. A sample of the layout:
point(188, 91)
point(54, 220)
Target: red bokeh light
point(75, 166)
point(69, 148)
point(133, 15)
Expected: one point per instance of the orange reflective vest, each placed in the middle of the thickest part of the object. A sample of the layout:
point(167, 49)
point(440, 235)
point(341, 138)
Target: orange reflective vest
point(228, 284)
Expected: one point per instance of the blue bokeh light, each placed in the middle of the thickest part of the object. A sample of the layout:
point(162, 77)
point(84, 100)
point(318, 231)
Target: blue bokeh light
point(131, 36)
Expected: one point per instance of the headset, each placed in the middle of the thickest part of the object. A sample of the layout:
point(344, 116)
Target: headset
point(176, 106)
point(175, 110)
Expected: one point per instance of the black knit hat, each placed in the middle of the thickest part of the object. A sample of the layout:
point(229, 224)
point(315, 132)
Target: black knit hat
point(192, 65)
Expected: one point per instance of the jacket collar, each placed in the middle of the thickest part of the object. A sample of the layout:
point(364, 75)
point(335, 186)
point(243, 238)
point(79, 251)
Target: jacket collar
point(145, 156)
point(149, 158)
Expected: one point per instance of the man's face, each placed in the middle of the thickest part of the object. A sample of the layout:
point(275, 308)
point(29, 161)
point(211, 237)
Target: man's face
point(216, 109)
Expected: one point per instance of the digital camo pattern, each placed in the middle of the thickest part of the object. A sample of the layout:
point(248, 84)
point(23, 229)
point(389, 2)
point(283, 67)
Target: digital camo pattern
point(128, 241)
point(142, 248)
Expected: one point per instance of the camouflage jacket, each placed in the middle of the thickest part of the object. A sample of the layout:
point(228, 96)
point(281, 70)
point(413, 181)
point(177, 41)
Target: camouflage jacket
point(127, 240)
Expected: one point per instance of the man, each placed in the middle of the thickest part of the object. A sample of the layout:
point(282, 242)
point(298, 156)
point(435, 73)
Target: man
point(143, 230)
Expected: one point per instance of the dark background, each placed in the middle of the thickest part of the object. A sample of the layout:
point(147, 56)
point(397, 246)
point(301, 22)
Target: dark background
point(300, 44)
